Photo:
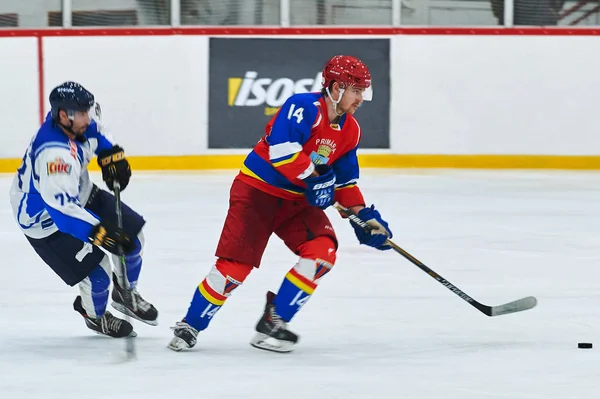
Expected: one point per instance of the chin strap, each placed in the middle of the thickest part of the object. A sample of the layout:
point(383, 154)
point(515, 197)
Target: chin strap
point(335, 103)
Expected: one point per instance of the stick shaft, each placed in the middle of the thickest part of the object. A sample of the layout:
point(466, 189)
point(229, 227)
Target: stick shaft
point(512, 307)
point(129, 341)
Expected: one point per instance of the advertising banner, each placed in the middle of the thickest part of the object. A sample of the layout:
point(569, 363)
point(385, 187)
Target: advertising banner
point(251, 78)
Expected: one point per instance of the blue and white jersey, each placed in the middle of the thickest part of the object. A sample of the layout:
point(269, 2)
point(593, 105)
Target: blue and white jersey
point(52, 185)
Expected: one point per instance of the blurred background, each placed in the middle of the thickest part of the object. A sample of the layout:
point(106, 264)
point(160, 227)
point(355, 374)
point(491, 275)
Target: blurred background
point(89, 13)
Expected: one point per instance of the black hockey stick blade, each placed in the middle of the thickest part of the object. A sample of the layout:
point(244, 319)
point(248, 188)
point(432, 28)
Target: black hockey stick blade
point(511, 307)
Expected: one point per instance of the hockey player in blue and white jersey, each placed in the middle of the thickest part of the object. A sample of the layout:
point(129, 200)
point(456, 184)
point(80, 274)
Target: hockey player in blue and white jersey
point(71, 223)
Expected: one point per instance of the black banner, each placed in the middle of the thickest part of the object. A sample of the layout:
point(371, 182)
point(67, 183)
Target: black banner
point(251, 78)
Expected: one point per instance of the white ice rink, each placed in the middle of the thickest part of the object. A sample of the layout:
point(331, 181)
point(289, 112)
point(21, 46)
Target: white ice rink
point(377, 327)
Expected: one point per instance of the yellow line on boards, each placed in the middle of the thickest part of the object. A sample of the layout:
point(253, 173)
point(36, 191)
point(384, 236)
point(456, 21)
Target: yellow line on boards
point(574, 162)
point(208, 162)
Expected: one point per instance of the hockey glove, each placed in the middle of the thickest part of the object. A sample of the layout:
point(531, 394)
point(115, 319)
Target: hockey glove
point(320, 189)
point(380, 231)
point(108, 236)
point(114, 166)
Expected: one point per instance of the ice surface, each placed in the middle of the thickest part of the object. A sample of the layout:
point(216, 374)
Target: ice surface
point(377, 327)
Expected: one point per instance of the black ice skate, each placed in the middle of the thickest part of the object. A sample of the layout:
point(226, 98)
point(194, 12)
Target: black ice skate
point(271, 330)
point(185, 336)
point(107, 324)
point(132, 304)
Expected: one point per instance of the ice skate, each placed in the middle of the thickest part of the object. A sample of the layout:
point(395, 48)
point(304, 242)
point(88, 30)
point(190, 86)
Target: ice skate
point(132, 304)
point(107, 324)
point(271, 330)
point(185, 336)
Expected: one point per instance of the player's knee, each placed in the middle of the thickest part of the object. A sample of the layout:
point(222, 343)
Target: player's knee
point(323, 248)
point(138, 245)
point(317, 258)
point(104, 266)
point(226, 275)
point(140, 241)
point(99, 278)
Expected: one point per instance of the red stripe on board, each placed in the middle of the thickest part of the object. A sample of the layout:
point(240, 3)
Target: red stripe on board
point(40, 61)
point(246, 31)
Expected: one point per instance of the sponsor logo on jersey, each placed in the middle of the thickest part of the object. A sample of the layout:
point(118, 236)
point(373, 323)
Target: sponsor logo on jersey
point(325, 149)
point(58, 166)
point(252, 91)
point(326, 146)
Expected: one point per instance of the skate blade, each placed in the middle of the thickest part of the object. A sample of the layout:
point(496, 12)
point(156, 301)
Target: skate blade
point(125, 311)
point(177, 344)
point(132, 334)
point(263, 341)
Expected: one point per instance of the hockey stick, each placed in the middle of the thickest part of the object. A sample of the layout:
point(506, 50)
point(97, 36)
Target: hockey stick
point(129, 342)
point(511, 307)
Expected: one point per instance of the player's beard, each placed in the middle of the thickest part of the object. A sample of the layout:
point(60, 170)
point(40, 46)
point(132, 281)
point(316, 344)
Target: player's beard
point(351, 109)
point(81, 130)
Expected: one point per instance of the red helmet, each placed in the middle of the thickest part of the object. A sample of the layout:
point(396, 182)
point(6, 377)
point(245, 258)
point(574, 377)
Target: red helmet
point(347, 71)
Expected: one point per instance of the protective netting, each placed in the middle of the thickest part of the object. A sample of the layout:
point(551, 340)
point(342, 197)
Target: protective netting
point(551, 12)
point(158, 12)
point(448, 13)
point(341, 12)
point(27, 14)
point(121, 12)
point(381, 12)
point(9, 20)
point(230, 12)
point(42, 13)
point(580, 13)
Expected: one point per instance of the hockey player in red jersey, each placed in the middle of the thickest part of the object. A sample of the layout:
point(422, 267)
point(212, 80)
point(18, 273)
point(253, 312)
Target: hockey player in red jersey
point(304, 163)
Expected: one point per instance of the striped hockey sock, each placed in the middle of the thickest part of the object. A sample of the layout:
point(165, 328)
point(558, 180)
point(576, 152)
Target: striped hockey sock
point(298, 286)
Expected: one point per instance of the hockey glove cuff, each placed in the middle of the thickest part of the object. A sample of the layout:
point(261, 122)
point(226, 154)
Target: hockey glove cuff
point(379, 232)
point(114, 166)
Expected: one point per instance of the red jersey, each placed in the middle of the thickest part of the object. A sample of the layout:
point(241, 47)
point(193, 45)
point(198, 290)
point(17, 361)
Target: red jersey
point(299, 137)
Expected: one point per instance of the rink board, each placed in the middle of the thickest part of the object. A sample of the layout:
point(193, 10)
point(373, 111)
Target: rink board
point(450, 98)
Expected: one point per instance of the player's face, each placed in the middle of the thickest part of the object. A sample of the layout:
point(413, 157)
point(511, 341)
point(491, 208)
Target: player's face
point(81, 122)
point(351, 100)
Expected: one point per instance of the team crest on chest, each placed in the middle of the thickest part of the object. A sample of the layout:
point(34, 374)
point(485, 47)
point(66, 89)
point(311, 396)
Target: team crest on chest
point(325, 148)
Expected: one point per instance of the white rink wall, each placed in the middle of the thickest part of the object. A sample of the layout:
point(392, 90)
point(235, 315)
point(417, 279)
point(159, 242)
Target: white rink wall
point(496, 95)
point(455, 94)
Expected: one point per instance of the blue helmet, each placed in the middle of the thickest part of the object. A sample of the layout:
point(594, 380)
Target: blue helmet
point(70, 97)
